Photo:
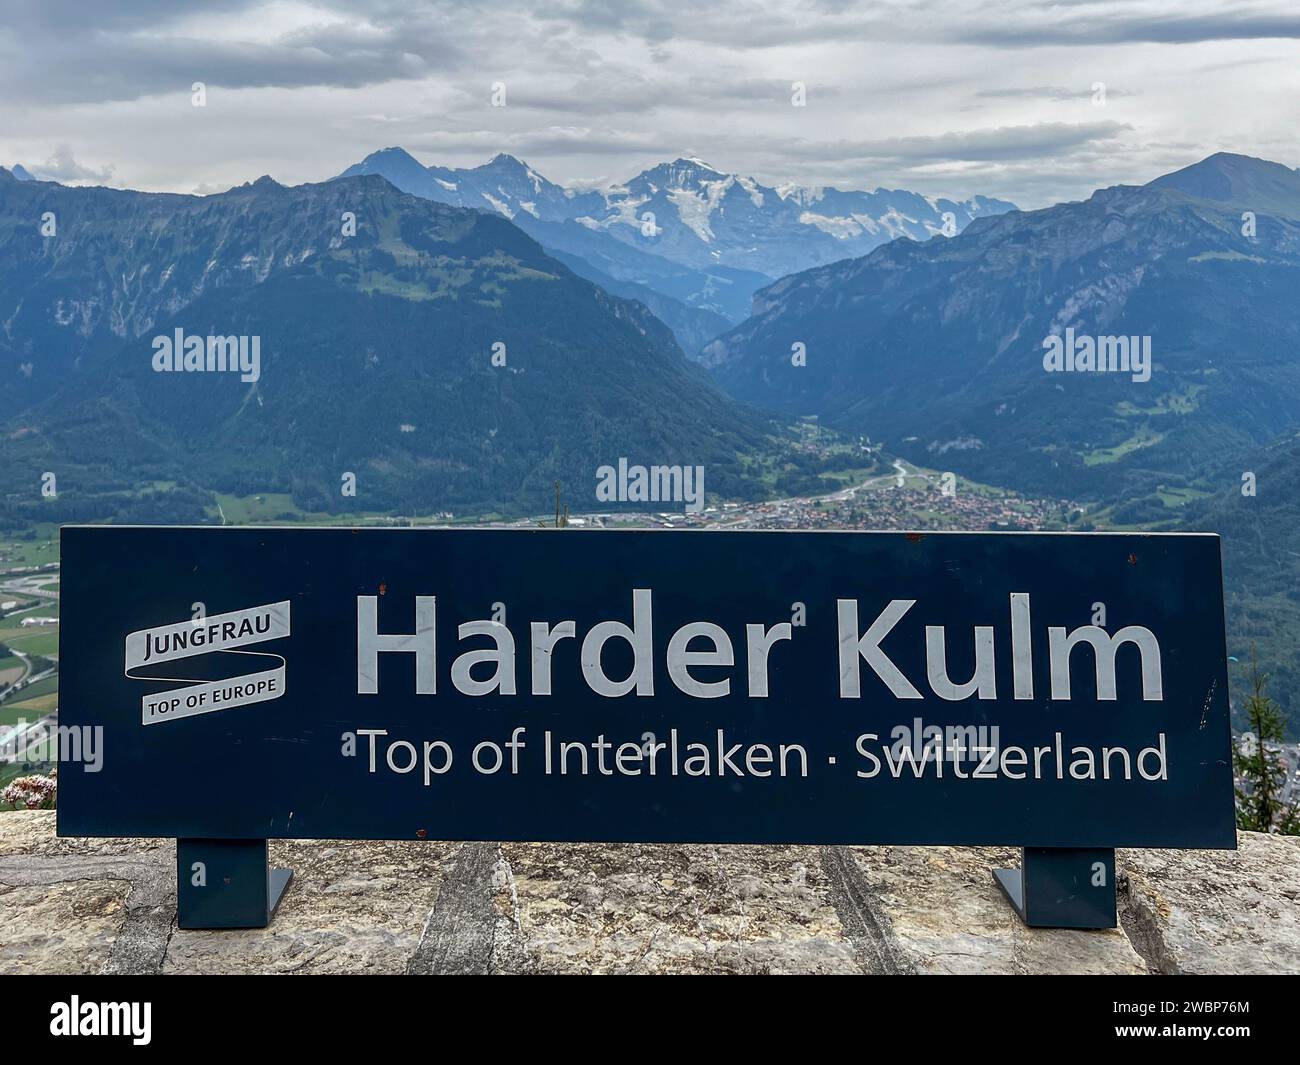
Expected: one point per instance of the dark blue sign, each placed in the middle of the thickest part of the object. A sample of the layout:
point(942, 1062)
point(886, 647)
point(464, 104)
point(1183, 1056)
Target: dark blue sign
point(1053, 691)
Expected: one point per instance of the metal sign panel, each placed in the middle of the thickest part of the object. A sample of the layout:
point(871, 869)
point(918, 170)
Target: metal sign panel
point(1045, 690)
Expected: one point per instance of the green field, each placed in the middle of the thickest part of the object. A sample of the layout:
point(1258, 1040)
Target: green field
point(11, 713)
point(20, 554)
point(1177, 497)
point(30, 708)
point(32, 702)
point(41, 641)
point(13, 636)
point(1180, 401)
point(274, 508)
point(1144, 437)
point(41, 687)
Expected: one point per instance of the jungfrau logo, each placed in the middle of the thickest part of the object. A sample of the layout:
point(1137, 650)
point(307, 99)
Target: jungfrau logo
point(215, 633)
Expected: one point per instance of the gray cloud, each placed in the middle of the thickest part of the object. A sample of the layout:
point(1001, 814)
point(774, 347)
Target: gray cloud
point(628, 92)
point(76, 17)
point(62, 167)
point(949, 97)
point(1058, 93)
point(147, 49)
point(1117, 29)
point(1008, 23)
point(1047, 140)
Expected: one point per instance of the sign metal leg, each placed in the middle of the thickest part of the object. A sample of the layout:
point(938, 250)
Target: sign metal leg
point(1057, 887)
point(226, 883)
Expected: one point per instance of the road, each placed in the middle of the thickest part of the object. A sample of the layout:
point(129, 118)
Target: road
point(27, 585)
point(27, 669)
point(27, 679)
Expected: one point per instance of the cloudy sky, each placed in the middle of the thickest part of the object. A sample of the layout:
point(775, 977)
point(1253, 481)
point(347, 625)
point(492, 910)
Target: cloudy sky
point(948, 97)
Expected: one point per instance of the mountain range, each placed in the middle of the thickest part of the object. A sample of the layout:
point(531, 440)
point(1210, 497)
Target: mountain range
point(692, 238)
point(938, 348)
point(376, 356)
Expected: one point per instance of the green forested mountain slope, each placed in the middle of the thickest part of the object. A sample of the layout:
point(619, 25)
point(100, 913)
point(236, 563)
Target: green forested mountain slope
point(376, 354)
point(936, 348)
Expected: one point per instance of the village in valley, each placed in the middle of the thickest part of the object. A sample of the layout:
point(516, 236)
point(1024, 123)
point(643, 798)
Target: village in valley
point(895, 496)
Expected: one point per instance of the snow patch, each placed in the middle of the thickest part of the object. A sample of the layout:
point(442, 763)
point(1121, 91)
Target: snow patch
point(803, 195)
point(694, 208)
point(497, 204)
point(751, 187)
point(839, 228)
point(896, 223)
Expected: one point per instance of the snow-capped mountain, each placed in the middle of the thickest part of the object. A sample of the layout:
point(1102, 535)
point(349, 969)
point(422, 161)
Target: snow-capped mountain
point(503, 184)
point(702, 240)
point(852, 216)
point(693, 214)
point(688, 211)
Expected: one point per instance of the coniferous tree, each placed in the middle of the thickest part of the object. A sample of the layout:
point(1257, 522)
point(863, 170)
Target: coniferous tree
point(1260, 806)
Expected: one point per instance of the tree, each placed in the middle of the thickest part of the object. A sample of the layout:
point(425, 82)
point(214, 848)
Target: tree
point(1260, 766)
point(561, 516)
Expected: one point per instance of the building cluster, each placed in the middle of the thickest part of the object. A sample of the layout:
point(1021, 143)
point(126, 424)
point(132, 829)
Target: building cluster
point(877, 508)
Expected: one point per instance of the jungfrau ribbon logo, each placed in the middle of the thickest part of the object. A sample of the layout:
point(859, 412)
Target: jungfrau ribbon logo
point(188, 639)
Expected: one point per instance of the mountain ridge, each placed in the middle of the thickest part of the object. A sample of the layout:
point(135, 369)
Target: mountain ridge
point(1242, 181)
point(974, 309)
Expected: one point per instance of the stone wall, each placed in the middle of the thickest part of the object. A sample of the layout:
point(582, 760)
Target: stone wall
point(91, 906)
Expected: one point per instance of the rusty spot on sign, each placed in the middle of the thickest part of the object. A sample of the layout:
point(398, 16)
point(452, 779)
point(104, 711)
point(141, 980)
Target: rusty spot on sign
point(1132, 560)
point(383, 588)
point(422, 833)
point(915, 538)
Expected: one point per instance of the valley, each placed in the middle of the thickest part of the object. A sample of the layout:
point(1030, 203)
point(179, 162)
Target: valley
point(534, 373)
point(886, 494)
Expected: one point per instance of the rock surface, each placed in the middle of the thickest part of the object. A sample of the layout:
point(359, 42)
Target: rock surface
point(90, 906)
